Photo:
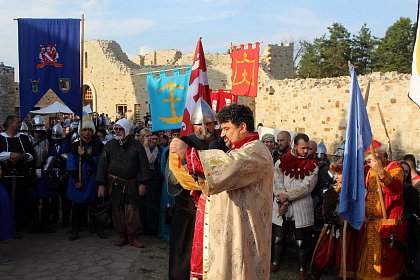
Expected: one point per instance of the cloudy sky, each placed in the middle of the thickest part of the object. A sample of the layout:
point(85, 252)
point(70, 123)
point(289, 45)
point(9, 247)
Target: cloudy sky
point(141, 26)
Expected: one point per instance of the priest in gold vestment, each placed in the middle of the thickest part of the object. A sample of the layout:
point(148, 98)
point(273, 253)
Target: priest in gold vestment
point(237, 225)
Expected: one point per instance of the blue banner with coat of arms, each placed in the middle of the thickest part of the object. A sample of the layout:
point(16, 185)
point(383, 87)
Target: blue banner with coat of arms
point(49, 58)
point(167, 95)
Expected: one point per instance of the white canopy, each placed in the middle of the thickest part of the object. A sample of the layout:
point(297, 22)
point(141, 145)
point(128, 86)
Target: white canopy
point(56, 107)
point(87, 109)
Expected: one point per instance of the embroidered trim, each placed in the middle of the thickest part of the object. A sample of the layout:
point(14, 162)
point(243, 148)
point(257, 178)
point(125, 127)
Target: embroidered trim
point(192, 160)
point(295, 167)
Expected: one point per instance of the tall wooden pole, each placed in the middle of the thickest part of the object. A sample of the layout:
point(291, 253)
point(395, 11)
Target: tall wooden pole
point(381, 195)
point(82, 51)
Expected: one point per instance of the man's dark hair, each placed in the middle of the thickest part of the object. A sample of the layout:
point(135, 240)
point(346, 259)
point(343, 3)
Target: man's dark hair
point(9, 120)
point(237, 114)
point(289, 137)
point(299, 136)
point(102, 131)
point(410, 157)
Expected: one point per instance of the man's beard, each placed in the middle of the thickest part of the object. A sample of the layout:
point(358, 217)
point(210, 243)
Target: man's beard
point(118, 137)
point(296, 152)
point(284, 149)
point(206, 137)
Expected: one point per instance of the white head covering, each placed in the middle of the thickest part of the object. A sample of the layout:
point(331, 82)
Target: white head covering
point(125, 124)
point(88, 123)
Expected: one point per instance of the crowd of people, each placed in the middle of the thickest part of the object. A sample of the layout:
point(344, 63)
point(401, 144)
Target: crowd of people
point(64, 175)
point(387, 245)
point(231, 203)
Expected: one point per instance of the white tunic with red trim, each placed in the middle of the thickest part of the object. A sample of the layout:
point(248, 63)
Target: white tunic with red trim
point(296, 177)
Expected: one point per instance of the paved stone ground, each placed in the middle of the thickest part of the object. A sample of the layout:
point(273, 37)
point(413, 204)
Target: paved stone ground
point(53, 257)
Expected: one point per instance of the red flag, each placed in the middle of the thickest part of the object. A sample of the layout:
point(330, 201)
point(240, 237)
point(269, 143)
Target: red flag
point(198, 87)
point(221, 98)
point(245, 64)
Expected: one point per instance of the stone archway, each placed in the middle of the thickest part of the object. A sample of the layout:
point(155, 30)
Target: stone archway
point(89, 96)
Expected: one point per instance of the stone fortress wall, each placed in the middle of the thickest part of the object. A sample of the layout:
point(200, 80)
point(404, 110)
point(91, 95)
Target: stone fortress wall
point(317, 107)
point(7, 91)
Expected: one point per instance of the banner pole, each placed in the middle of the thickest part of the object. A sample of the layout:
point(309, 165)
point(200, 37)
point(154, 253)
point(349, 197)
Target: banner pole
point(381, 195)
point(344, 252)
point(81, 90)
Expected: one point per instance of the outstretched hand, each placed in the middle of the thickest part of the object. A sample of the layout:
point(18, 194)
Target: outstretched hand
point(179, 147)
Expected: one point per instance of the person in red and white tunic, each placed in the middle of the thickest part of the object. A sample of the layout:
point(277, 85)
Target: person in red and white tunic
point(295, 176)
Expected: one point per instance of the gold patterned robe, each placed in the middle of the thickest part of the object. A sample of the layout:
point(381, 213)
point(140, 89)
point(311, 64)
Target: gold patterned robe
point(378, 258)
point(237, 225)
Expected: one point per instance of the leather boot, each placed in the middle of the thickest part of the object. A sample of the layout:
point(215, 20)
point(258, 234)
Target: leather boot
point(134, 241)
point(302, 263)
point(74, 235)
point(122, 240)
point(274, 267)
point(276, 248)
point(101, 234)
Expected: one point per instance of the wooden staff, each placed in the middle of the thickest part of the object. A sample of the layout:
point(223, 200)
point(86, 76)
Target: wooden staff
point(381, 195)
point(372, 152)
point(386, 131)
point(81, 91)
point(366, 97)
point(158, 71)
point(344, 252)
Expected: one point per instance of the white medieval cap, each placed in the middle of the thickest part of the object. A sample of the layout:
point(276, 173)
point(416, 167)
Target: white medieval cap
point(125, 124)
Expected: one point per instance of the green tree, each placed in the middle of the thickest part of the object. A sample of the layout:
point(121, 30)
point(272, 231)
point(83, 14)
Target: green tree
point(309, 64)
point(327, 56)
point(362, 46)
point(335, 51)
point(394, 52)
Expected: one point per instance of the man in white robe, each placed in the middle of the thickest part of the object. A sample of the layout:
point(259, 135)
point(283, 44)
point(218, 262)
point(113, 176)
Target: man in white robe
point(237, 225)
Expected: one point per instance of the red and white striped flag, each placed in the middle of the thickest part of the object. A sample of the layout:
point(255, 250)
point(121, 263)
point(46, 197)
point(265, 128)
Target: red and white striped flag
point(198, 87)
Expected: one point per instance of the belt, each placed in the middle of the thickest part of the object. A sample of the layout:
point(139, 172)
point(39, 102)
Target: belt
point(114, 178)
point(388, 222)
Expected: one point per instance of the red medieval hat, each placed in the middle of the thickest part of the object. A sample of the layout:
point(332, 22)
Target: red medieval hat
point(376, 145)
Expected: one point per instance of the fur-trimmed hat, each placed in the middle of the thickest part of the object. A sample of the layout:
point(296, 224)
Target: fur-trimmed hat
point(88, 123)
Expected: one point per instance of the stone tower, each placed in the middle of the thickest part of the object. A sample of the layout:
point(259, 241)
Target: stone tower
point(7, 91)
point(277, 61)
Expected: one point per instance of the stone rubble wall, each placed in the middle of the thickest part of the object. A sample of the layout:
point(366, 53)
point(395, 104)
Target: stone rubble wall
point(164, 57)
point(317, 107)
point(7, 92)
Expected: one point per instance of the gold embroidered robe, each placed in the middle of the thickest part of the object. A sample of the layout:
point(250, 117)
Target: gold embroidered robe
point(237, 225)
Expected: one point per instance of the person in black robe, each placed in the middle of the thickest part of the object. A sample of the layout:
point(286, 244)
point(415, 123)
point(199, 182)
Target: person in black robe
point(123, 172)
point(16, 155)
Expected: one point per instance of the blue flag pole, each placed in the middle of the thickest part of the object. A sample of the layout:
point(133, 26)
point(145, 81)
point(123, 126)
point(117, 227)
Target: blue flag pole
point(358, 138)
point(81, 88)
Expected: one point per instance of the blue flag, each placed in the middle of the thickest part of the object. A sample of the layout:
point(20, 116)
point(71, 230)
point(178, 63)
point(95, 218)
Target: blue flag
point(49, 58)
point(358, 138)
point(167, 97)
